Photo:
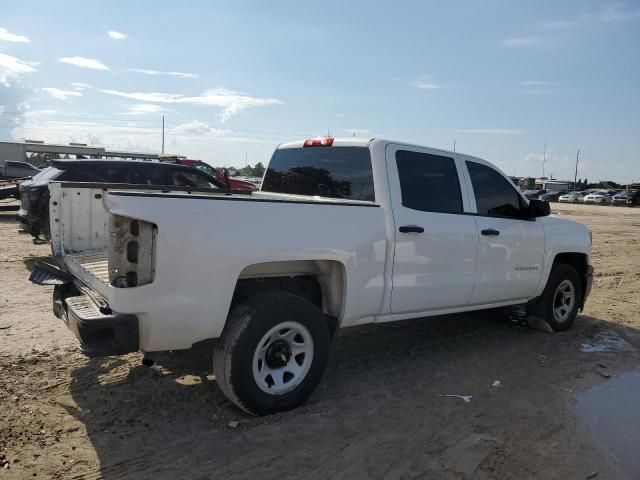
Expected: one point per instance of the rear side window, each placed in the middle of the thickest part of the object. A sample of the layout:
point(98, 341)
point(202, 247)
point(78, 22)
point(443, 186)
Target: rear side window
point(147, 176)
point(429, 183)
point(334, 172)
point(495, 196)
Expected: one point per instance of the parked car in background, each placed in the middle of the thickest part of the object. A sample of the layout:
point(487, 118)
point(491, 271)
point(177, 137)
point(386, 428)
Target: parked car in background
point(531, 194)
point(599, 197)
point(13, 169)
point(34, 194)
point(627, 197)
point(220, 173)
point(551, 195)
point(572, 197)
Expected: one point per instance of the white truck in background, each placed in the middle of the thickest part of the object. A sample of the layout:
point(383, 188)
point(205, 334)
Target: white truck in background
point(342, 233)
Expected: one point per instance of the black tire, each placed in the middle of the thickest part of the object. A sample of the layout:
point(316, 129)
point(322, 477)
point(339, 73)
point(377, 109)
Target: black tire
point(543, 307)
point(246, 326)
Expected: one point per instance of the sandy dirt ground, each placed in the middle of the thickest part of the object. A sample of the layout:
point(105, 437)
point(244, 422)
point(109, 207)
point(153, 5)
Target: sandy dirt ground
point(379, 412)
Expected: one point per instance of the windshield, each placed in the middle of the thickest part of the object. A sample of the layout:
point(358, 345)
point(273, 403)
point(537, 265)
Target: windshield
point(334, 172)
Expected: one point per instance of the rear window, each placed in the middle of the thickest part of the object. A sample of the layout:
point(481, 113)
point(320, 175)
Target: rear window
point(334, 172)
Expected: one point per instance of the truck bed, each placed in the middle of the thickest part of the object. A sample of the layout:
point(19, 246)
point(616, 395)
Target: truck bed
point(91, 266)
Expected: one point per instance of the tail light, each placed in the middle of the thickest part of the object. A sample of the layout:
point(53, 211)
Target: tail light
point(131, 252)
point(318, 142)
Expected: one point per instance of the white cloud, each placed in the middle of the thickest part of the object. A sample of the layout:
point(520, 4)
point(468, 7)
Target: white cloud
point(427, 85)
point(124, 137)
point(230, 102)
point(7, 36)
point(535, 83)
point(516, 42)
point(116, 35)
point(147, 71)
point(146, 109)
point(11, 68)
point(609, 14)
point(80, 86)
point(198, 131)
point(195, 137)
point(490, 131)
point(615, 12)
point(196, 127)
point(61, 94)
point(84, 62)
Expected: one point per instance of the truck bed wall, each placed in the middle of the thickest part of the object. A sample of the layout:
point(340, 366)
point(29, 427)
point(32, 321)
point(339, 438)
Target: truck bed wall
point(205, 242)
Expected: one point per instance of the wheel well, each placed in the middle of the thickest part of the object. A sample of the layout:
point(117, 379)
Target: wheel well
point(319, 281)
point(577, 261)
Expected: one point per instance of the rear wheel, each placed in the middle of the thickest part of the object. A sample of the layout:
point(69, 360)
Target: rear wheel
point(558, 305)
point(272, 353)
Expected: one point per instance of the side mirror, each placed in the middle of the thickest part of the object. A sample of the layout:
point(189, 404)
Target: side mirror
point(538, 208)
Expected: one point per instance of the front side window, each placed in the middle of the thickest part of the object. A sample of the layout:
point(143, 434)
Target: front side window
point(334, 172)
point(428, 183)
point(495, 196)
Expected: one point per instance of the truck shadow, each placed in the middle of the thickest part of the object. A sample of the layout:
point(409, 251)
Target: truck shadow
point(380, 408)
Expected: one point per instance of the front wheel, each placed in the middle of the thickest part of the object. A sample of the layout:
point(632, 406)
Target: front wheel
point(272, 353)
point(558, 305)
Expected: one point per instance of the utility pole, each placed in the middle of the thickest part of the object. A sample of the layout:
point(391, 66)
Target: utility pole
point(575, 176)
point(454, 146)
point(163, 134)
point(544, 158)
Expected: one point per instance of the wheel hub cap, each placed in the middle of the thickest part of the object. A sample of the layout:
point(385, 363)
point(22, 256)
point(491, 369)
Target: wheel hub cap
point(564, 300)
point(282, 358)
point(278, 354)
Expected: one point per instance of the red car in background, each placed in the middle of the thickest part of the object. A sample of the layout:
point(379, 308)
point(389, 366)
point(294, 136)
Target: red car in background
point(219, 173)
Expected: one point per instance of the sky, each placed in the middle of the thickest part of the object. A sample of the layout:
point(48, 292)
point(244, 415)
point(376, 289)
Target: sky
point(511, 82)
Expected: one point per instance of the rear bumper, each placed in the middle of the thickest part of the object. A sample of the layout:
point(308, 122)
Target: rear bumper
point(101, 331)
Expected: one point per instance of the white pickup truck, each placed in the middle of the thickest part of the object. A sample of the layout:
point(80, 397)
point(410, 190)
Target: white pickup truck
point(342, 233)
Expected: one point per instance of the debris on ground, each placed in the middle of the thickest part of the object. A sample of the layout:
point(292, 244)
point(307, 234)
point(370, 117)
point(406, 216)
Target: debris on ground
point(466, 398)
point(233, 424)
point(496, 384)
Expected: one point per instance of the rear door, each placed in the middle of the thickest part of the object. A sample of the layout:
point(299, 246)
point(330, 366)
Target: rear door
point(511, 250)
point(435, 241)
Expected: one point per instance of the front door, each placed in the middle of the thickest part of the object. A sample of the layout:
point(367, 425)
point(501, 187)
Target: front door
point(511, 250)
point(435, 242)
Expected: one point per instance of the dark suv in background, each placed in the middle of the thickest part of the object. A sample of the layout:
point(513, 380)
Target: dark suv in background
point(627, 197)
point(34, 194)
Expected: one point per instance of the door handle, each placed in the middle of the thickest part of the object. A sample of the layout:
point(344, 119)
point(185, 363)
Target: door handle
point(411, 229)
point(490, 232)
